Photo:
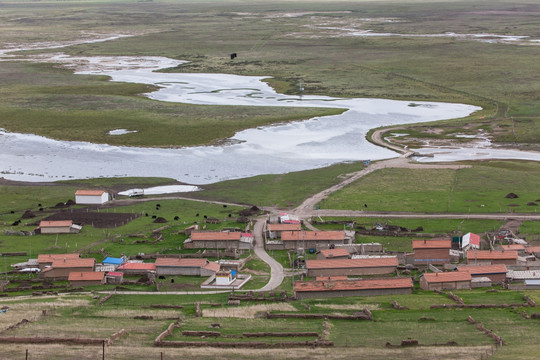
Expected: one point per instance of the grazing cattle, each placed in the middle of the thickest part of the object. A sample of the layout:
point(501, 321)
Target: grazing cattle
point(233, 55)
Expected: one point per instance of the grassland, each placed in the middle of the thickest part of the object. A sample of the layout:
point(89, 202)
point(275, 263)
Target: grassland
point(432, 328)
point(480, 189)
point(503, 78)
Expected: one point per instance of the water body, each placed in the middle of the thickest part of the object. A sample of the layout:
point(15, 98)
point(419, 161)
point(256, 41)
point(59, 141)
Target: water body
point(301, 145)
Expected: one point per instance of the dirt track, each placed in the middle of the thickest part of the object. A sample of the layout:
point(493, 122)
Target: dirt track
point(402, 161)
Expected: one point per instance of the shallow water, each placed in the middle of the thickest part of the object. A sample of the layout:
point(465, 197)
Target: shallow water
point(281, 148)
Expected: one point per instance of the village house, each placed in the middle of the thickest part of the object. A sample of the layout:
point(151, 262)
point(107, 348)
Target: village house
point(492, 257)
point(314, 239)
point(136, 268)
point(356, 287)
point(91, 197)
point(86, 278)
point(470, 241)
point(112, 261)
point(495, 273)
point(46, 260)
point(435, 252)
point(352, 267)
point(274, 230)
point(446, 280)
point(339, 253)
point(114, 277)
point(60, 269)
point(192, 267)
point(57, 227)
point(219, 240)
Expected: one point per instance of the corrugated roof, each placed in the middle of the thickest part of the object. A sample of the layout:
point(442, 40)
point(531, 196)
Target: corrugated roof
point(112, 260)
point(284, 227)
point(75, 263)
point(330, 253)
point(55, 223)
point(137, 266)
point(486, 269)
point(312, 235)
point(181, 262)
point(86, 276)
point(523, 274)
point(350, 285)
point(49, 258)
point(432, 244)
point(350, 263)
point(447, 276)
point(215, 235)
point(89, 192)
point(492, 255)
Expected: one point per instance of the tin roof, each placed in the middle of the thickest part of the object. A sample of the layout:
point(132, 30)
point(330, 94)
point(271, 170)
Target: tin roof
point(351, 285)
point(492, 255)
point(432, 244)
point(312, 235)
point(86, 276)
point(215, 235)
point(447, 276)
point(350, 263)
point(55, 223)
point(89, 192)
point(112, 260)
point(481, 270)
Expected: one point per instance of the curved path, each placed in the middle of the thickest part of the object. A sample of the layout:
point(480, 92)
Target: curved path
point(276, 270)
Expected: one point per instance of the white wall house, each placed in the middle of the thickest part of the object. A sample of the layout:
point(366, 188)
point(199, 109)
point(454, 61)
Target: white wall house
point(91, 197)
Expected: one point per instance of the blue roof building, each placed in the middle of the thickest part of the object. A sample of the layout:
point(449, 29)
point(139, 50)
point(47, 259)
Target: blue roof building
point(113, 261)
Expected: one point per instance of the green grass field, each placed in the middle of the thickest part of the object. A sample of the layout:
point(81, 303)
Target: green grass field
point(480, 189)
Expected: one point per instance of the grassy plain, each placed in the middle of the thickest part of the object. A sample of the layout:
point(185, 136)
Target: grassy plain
point(288, 41)
point(480, 189)
point(79, 315)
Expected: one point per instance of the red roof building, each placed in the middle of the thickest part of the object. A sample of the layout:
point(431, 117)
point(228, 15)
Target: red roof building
point(446, 280)
point(492, 257)
point(352, 267)
point(217, 240)
point(45, 260)
point(86, 278)
point(312, 239)
point(436, 251)
point(61, 268)
point(496, 273)
point(339, 253)
point(136, 268)
point(362, 287)
point(274, 231)
point(91, 197)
